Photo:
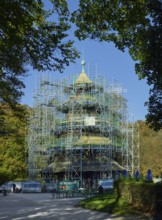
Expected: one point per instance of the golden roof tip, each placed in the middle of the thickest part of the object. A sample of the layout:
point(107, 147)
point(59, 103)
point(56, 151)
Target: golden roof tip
point(83, 78)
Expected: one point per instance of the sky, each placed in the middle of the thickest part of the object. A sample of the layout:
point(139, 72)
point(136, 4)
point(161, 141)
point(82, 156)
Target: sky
point(107, 61)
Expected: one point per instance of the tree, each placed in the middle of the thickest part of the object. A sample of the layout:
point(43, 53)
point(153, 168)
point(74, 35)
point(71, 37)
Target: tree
point(136, 25)
point(13, 146)
point(154, 117)
point(28, 37)
point(150, 150)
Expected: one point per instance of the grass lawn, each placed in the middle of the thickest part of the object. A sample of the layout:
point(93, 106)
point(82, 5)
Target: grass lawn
point(109, 202)
point(129, 198)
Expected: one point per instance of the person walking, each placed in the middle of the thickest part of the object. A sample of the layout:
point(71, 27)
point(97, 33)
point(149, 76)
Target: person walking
point(14, 187)
point(4, 190)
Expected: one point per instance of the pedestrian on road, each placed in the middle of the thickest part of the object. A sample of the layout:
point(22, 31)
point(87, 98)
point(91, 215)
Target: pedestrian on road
point(14, 187)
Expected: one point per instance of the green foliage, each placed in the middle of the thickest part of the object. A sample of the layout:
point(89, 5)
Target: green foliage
point(130, 197)
point(135, 25)
point(12, 143)
point(150, 150)
point(31, 35)
point(35, 36)
point(4, 176)
point(154, 116)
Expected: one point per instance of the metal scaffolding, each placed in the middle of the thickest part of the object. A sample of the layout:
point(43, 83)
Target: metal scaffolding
point(80, 130)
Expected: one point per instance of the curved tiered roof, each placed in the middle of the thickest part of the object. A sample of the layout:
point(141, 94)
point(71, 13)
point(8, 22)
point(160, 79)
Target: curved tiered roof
point(93, 165)
point(83, 78)
point(92, 140)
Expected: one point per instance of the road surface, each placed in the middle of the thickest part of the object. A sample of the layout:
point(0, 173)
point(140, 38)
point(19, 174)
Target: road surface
point(41, 206)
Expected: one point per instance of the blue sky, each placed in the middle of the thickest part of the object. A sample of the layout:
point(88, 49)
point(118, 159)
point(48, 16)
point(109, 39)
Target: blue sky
point(110, 63)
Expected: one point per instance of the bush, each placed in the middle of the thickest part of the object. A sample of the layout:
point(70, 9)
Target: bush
point(142, 195)
point(4, 176)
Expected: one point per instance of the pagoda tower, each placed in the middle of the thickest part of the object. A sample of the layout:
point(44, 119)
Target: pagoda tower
point(79, 130)
point(89, 138)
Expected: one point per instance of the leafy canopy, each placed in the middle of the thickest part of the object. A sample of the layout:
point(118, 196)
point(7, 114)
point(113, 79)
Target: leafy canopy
point(30, 36)
point(13, 147)
point(136, 25)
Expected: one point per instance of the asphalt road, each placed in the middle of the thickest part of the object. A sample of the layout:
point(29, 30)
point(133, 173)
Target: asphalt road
point(42, 206)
